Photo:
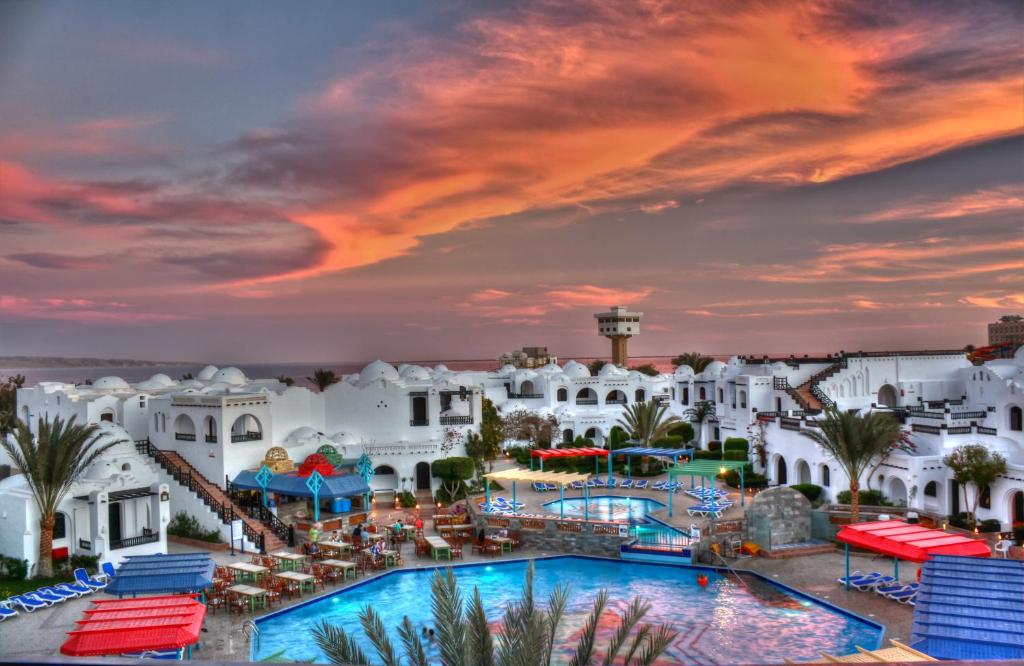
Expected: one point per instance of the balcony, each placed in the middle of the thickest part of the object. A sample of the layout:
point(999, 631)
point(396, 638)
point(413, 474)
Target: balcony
point(456, 420)
point(526, 396)
point(185, 436)
point(248, 436)
point(419, 422)
point(211, 439)
point(146, 537)
point(612, 401)
point(586, 401)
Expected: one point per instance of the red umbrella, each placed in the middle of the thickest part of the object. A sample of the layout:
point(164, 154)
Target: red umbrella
point(136, 625)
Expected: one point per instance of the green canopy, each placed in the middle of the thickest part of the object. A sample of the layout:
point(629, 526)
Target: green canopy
point(707, 469)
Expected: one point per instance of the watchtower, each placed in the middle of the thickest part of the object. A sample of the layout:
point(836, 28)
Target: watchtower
point(619, 325)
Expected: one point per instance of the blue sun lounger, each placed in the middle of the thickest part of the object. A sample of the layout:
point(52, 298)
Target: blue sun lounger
point(905, 596)
point(576, 485)
point(82, 576)
point(6, 612)
point(77, 588)
point(641, 484)
point(626, 483)
point(48, 597)
point(59, 592)
point(28, 604)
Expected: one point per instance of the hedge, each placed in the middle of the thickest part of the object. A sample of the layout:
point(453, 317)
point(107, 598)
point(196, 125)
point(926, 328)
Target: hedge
point(714, 446)
point(750, 479)
point(707, 455)
point(737, 444)
point(735, 455)
point(684, 430)
point(809, 490)
point(867, 498)
point(670, 442)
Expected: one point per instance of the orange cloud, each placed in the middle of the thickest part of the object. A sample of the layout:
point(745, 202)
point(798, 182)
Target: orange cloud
point(517, 306)
point(983, 202)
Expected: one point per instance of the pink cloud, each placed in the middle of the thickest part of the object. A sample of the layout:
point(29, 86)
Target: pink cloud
point(77, 310)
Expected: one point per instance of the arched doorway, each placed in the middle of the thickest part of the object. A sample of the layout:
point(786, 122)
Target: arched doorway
point(384, 478)
point(887, 395)
point(562, 395)
point(184, 428)
point(586, 396)
point(803, 472)
point(640, 395)
point(25, 415)
point(897, 492)
point(1017, 509)
point(107, 415)
point(780, 471)
point(591, 433)
point(526, 388)
point(567, 435)
point(422, 476)
point(246, 428)
point(615, 397)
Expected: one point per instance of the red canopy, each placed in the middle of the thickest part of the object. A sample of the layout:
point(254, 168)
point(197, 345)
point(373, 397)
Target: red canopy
point(568, 453)
point(914, 543)
point(136, 625)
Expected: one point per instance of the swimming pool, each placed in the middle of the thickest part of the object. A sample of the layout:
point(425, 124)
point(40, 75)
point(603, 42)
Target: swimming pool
point(727, 622)
point(608, 507)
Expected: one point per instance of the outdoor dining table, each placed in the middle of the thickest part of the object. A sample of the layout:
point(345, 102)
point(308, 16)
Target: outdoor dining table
point(254, 594)
point(249, 570)
point(344, 565)
point(298, 577)
point(439, 547)
point(339, 546)
point(288, 560)
point(504, 542)
point(390, 556)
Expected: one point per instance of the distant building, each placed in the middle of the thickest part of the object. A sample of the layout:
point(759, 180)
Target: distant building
point(1009, 328)
point(529, 357)
point(619, 325)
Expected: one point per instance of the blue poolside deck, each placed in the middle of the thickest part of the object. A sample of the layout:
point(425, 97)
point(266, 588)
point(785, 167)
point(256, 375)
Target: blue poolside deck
point(970, 608)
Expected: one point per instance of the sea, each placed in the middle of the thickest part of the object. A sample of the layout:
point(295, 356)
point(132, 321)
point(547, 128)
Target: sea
point(297, 371)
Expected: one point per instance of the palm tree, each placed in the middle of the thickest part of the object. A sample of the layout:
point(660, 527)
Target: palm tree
point(699, 413)
point(854, 441)
point(52, 463)
point(527, 634)
point(646, 422)
point(287, 381)
point(323, 378)
point(695, 360)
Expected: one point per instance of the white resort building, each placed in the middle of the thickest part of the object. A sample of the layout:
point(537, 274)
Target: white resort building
point(222, 423)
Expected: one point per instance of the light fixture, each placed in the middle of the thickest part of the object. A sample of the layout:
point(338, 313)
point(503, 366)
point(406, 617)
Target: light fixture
point(165, 496)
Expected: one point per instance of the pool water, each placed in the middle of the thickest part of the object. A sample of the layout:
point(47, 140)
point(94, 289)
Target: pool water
point(608, 507)
point(726, 622)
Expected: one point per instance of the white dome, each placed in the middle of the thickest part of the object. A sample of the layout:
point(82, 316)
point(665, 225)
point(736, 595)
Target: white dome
point(302, 434)
point(635, 374)
point(402, 367)
point(683, 372)
point(440, 367)
point(507, 369)
point(415, 372)
point(231, 376)
point(576, 370)
point(343, 439)
point(714, 369)
point(110, 383)
point(1018, 356)
point(550, 369)
point(377, 370)
point(207, 373)
point(160, 379)
point(779, 366)
point(611, 370)
point(1003, 368)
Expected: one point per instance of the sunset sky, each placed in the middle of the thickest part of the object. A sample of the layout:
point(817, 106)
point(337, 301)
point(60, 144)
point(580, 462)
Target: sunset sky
point(338, 181)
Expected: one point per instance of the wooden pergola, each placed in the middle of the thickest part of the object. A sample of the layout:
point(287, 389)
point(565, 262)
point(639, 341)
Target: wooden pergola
point(562, 479)
point(706, 469)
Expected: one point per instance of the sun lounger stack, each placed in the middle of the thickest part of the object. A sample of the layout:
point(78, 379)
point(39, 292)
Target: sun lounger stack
point(897, 591)
point(50, 595)
point(867, 581)
point(641, 484)
point(542, 487)
point(626, 484)
point(500, 505)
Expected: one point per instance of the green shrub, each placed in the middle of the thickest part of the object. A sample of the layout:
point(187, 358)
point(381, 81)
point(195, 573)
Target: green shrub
point(188, 527)
point(961, 520)
point(670, 442)
point(989, 525)
point(707, 455)
point(735, 455)
point(684, 430)
point(87, 562)
point(809, 490)
point(737, 444)
point(867, 498)
point(714, 445)
point(406, 500)
point(750, 479)
point(13, 568)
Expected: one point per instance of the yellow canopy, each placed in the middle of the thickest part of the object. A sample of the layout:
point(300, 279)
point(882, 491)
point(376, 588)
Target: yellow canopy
point(520, 474)
point(898, 653)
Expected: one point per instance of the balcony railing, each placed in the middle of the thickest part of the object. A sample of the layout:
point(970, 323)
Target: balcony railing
point(211, 439)
point(526, 396)
point(419, 422)
point(185, 436)
point(248, 436)
point(586, 401)
point(614, 401)
point(135, 541)
point(456, 420)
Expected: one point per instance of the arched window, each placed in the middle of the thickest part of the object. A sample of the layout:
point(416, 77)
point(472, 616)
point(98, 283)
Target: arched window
point(562, 395)
point(246, 428)
point(686, 395)
point(743, 399)
point(615, 397)
point(640, 395)
point(721, 395)
point(210, 429)
point(702, 394)
point(826, 476)
point(586, 396)
point(567, 435)
point(985, 501)
point(184, 428)
point(931, 489)
point(1016, 418)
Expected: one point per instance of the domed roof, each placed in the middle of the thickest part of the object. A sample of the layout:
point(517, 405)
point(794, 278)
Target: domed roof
point(231, 376)
point(343, 439)
point(440, 367)
point(634, 374)
point(550, 369)
point(207, 373)
point(576, 370)
point(611, 370)
point(299, 434)
point(110, 383)
point(779, 366)
point(402, 367)
point(507, 369)
point(1018, 356)
point(276, 453)
point(714, 369)
point(377, 370)
point(683, 372)
point(415, 372)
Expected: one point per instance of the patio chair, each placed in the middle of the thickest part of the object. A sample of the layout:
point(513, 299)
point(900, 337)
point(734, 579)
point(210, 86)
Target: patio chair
point(59, 592)
point(905, 596)
point(27, 604)
point(106, 572)
point(576, 485)
point(539, 487)
point(77, 588)
point(626, 484)
point(238, 603)
point(658, 485)
point(611, 483)
point(48, 597)
point(82, 576)
point(214, 601)
point(641, 484)
point(6, 611)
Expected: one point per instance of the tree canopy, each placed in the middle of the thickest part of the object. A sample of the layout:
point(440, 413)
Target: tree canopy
point(697, 361)
point(647, 369)
point(974, 464)
point(9, 403)
point(322, 378)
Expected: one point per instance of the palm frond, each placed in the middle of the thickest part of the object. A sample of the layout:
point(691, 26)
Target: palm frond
point(639, 639)
point(479, 643)
point(656, 644)
point(414, 651)
point(378, 635)
point(337, 645)
point(557, 601)
point(634, 613)
point(585, 646)
point(446, 602)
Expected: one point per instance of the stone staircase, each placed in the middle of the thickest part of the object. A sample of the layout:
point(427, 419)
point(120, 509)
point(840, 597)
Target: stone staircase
point(187, 476)
point(808, 395)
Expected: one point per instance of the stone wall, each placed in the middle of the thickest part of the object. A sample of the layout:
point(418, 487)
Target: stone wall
point(778, 516)
point(559, 536)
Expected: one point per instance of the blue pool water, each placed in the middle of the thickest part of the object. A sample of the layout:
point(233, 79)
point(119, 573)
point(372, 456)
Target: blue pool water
point(724, 623)
point(608, 507)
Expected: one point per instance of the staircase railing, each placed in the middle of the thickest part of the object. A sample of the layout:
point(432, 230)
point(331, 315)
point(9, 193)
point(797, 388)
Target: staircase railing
point(257, 511)
point(826, 402)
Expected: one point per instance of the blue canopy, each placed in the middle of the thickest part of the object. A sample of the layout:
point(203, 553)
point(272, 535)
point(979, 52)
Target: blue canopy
point(657, 452)
point(162, 574)
point(970, 608)
point(336, 485)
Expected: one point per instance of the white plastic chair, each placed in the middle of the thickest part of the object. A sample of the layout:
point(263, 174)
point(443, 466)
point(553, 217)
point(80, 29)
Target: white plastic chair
point(1003, 547)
